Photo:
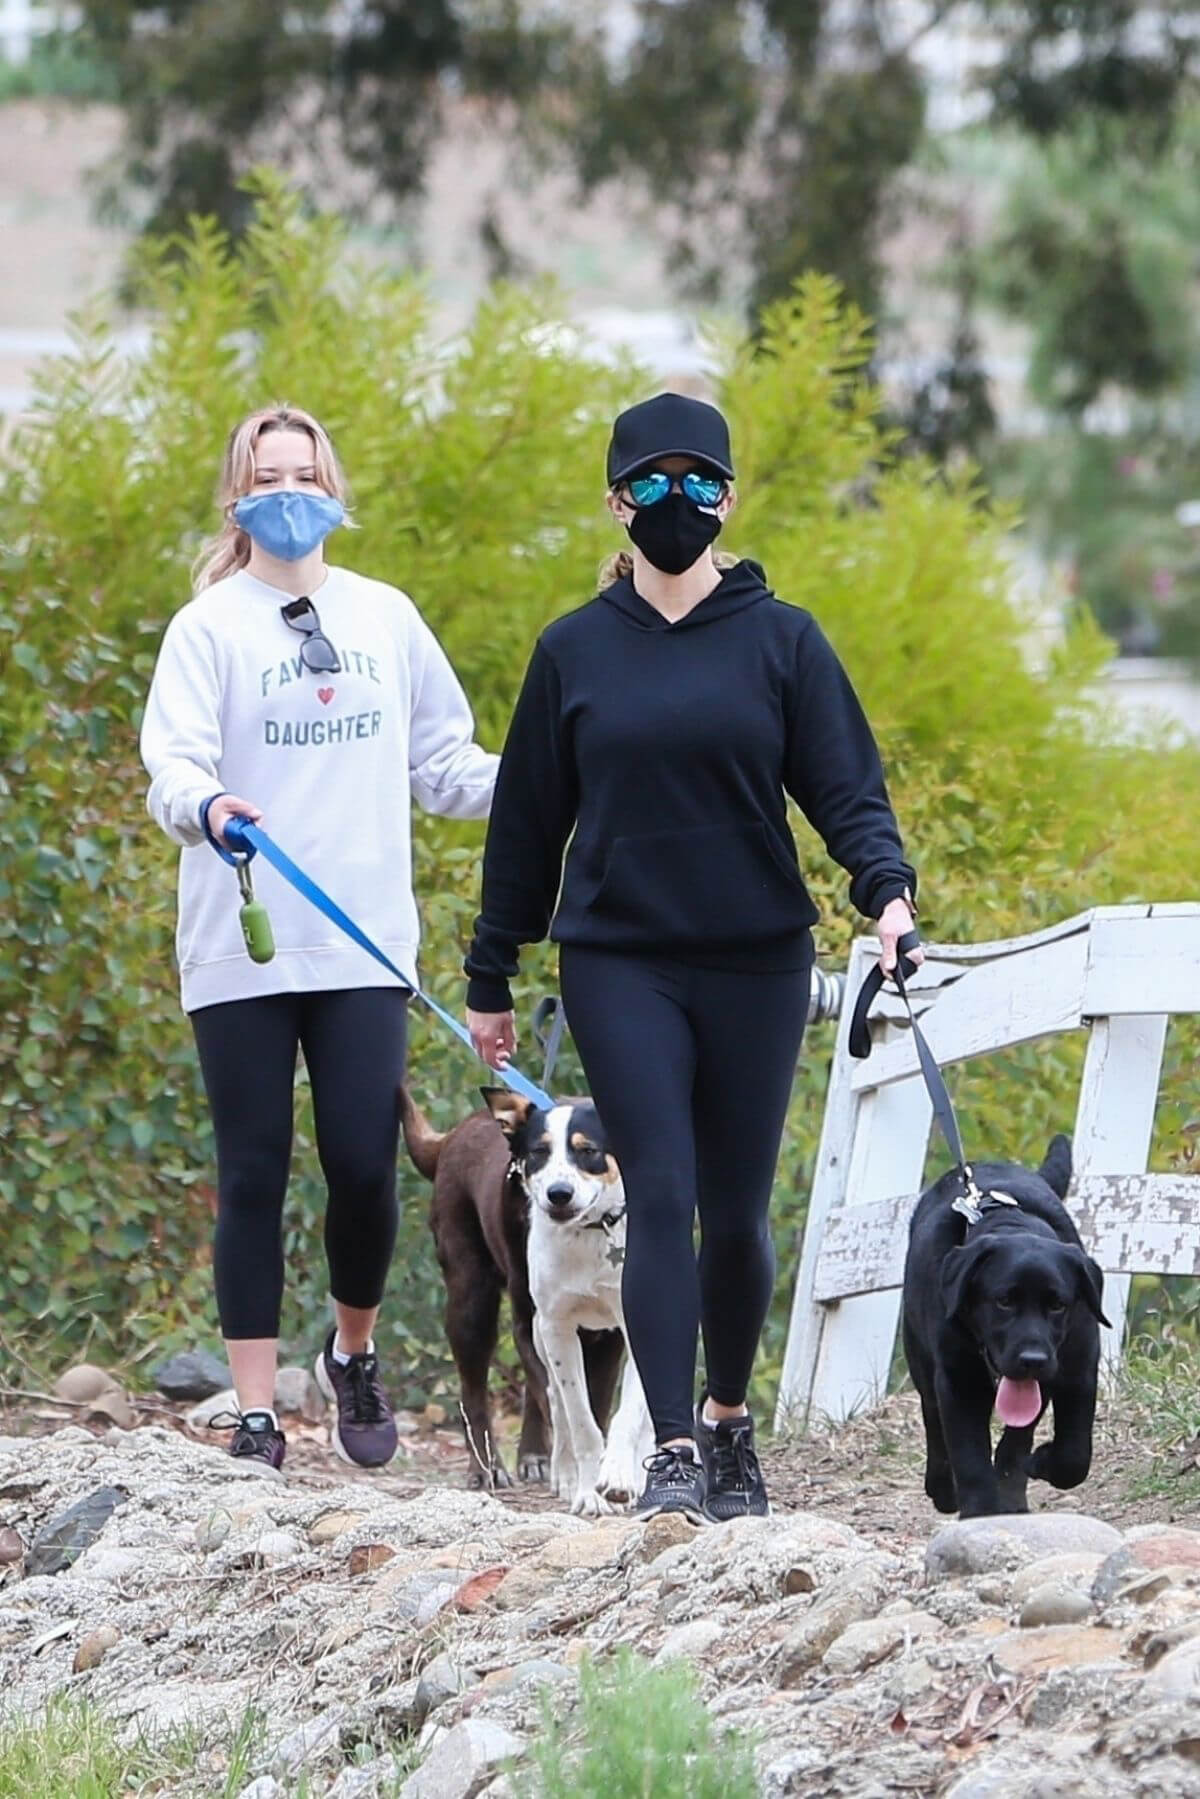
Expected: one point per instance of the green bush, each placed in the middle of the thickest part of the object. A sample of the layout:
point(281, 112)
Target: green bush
point(639, 1733)
point(477, 475)
point(58, 67)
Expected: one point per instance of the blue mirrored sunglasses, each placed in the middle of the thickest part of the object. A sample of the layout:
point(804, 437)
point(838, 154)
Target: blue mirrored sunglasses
point(653, 485)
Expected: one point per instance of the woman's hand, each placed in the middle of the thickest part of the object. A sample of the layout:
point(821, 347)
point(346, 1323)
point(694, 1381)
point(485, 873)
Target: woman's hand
point(227, 806)
point(895, 921)
point(494, 1035)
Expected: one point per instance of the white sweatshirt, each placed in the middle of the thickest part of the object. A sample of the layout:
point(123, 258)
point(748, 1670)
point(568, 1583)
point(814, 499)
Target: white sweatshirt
point(332, 760)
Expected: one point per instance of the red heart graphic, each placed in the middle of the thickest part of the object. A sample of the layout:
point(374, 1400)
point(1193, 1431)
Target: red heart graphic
point(324, 694)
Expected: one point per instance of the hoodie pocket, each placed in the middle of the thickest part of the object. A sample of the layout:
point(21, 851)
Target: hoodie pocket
point(720, 884)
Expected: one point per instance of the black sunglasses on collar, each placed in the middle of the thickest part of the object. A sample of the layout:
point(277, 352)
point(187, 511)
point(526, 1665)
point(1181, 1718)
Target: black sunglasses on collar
point(316, 652)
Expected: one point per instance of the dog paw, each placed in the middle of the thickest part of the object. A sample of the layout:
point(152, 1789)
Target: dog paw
point(618, 1482)
point(588, 1503)
point(533, 1468)
point(488, 1480)
point(1061, 1471)
point(940, 1488)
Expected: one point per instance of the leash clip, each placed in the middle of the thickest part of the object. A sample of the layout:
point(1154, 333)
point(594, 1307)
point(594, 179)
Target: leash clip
point(245, 879)
point(972, 1204)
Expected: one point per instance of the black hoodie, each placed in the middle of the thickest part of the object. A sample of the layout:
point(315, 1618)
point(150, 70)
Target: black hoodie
point(669, 750)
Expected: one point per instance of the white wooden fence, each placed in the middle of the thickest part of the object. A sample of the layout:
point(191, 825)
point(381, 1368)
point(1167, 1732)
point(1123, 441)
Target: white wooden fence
point(1119, 971)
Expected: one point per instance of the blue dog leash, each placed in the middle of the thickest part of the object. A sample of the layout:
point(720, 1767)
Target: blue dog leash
point(248, 839)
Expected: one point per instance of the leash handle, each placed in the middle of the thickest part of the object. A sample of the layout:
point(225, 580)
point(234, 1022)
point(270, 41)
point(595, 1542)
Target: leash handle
point(248, 838)
point(859, 1042)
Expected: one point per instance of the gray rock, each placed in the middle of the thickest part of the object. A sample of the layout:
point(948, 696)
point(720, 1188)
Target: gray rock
point(1177, 1674)
point(310, 1742)
point(395, 1710)
point(687, 1641)
point(1115, 1572)
point(365, 1782)
point(873, 1640)
point(296, 1391)
point(115, 1565)
point(1054, 1603)
point(440, 1681)
point(420, 1598)
point(1010, 1775)
point(1011, 1539)
point(196, 1374)
point(458, 1761)
point(1078, 1571)
point(212, 1530)
point(265, 1787)
point(201, 1416)
point(856, 1594)
point(62, 1541)
point(1073, 1694)
point(540, 1672)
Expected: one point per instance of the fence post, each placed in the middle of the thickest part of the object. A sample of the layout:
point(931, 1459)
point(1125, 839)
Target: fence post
point(1113, 1127)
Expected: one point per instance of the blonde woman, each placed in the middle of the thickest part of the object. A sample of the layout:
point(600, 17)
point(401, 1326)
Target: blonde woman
point(314, 701)
point(661, 729)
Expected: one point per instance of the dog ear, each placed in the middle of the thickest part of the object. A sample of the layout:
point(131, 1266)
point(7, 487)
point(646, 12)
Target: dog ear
point(510, 1110)
point(1056, 1169)
point(958, 1270)
point(1089, 1281)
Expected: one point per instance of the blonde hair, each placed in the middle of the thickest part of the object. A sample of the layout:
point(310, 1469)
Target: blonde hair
point(229, 550)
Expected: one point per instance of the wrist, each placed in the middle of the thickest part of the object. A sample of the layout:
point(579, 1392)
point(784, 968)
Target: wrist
point(205, 808)
point(488, 994)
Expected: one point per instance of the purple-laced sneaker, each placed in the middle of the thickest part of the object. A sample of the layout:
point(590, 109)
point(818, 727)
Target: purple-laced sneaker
point(255, 1437)
point(365, 1433)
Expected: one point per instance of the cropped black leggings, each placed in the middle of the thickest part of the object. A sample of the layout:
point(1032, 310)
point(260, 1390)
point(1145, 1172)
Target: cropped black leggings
point(691, 1071)
point(354, 1044)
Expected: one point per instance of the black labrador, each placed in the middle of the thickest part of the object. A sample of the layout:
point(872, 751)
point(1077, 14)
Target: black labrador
point(1004, 1312)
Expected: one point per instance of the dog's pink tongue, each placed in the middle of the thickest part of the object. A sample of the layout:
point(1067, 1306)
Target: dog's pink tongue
point(1018, 1401)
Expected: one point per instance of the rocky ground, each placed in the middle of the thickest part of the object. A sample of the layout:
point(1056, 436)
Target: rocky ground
point(401, 1620)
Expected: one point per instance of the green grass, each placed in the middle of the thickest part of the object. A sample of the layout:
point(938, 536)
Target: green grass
point(73, 1751)
point(637, 1733)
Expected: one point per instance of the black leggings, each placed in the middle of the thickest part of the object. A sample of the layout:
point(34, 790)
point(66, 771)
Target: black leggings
point(691, 1071)
point(353, 1043)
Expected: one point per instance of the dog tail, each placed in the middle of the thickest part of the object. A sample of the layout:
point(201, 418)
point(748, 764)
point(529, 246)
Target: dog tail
point(423, 1143)
point(1056, 1169)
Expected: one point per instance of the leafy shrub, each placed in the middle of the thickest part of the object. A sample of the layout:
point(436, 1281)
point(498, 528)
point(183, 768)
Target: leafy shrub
point(639, 1733)
point(477, 475)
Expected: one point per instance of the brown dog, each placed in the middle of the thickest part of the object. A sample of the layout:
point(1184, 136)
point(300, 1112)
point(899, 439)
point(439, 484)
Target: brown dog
point(494, 1175)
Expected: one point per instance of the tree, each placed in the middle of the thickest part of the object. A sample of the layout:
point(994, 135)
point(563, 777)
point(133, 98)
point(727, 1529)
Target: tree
point(211, 87)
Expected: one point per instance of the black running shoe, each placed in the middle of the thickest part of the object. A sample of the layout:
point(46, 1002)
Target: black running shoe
point(365, 1432)
point(674, 1483)
point(255, 1437)
point(734, 1479)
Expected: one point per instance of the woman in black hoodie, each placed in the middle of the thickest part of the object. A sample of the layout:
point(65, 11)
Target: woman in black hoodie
point(664, 724)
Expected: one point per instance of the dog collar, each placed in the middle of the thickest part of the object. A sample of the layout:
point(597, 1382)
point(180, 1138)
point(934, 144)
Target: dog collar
point(609, 1221)
point(974, 1202)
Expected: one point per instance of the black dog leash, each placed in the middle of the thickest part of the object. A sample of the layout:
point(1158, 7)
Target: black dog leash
point(550, 1041)
point(972, 1202)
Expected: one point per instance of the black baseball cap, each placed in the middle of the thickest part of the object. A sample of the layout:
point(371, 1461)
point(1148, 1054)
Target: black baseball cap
point(668, 425)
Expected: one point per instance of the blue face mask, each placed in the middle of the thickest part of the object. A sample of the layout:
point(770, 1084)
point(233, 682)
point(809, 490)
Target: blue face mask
point(287, 524)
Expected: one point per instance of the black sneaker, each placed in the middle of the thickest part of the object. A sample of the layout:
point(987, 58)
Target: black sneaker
point(365, 1432)
point(674, 1483)
point(255, 1437)
point(735, 1484)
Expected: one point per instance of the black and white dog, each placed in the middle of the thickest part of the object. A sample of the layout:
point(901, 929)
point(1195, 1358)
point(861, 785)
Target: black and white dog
point(538, 1207)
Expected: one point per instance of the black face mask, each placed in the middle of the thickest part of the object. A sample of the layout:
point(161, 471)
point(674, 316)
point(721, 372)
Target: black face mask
point(673, 533)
